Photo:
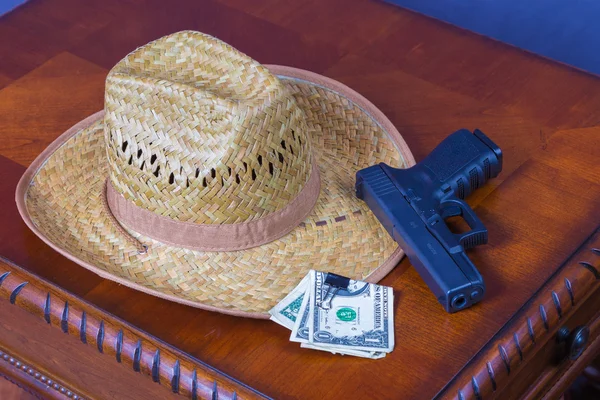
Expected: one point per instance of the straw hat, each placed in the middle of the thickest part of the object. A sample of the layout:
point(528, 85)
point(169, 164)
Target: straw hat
point(214, 181)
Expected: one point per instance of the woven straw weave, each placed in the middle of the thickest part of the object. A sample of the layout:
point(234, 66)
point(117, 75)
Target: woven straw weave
point(194, 130)
point(199, 132)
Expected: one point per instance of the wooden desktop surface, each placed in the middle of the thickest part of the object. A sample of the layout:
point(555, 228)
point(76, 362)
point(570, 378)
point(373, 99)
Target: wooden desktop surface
point(430, 79)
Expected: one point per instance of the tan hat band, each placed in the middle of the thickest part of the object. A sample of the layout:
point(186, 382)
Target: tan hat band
point(223, 237)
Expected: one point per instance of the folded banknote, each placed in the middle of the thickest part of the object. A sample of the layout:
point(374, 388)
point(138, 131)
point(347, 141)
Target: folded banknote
point(331, 313)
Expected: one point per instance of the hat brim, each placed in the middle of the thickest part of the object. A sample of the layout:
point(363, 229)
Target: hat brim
point(59, 198)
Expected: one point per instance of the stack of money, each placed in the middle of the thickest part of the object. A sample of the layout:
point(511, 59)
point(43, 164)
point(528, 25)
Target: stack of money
point(342, 316)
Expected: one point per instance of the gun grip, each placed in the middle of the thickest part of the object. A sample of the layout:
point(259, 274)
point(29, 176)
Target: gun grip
point(452, 207)
point(463, 162)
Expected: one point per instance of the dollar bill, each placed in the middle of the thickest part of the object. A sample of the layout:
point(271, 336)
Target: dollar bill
point(357, 318)
point(300, 330)
point(334, 350)
point(301, 335)
point(286, 311)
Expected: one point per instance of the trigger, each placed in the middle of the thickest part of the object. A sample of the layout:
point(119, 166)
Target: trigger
point(477, 235)
point(473, 239)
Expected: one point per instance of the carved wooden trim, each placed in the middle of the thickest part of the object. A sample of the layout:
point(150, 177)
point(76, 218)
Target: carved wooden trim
point(556, 301)
point(128, 346)
point(25, 369)
point(22, 387)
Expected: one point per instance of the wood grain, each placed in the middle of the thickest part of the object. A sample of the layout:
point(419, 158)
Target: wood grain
point(513, 352)
point(113, 350)
point(261, 39)
point(429, 79)
point(33, 111)
point(10, 391)
point(347, 26)
point(32, 384)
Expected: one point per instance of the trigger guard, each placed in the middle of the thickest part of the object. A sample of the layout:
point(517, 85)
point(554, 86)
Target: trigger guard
point(477, 235)
point(454, 207)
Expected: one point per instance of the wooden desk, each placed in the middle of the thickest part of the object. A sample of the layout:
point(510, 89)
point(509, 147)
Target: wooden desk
point(541, 266)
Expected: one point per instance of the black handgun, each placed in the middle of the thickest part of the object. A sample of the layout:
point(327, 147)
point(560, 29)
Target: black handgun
point(413, 205)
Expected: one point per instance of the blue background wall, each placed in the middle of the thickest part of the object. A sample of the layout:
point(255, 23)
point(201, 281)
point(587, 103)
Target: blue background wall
point(7, 5)
point(565, 30)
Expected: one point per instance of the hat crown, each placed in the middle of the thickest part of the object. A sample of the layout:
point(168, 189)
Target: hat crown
point(198, 132)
